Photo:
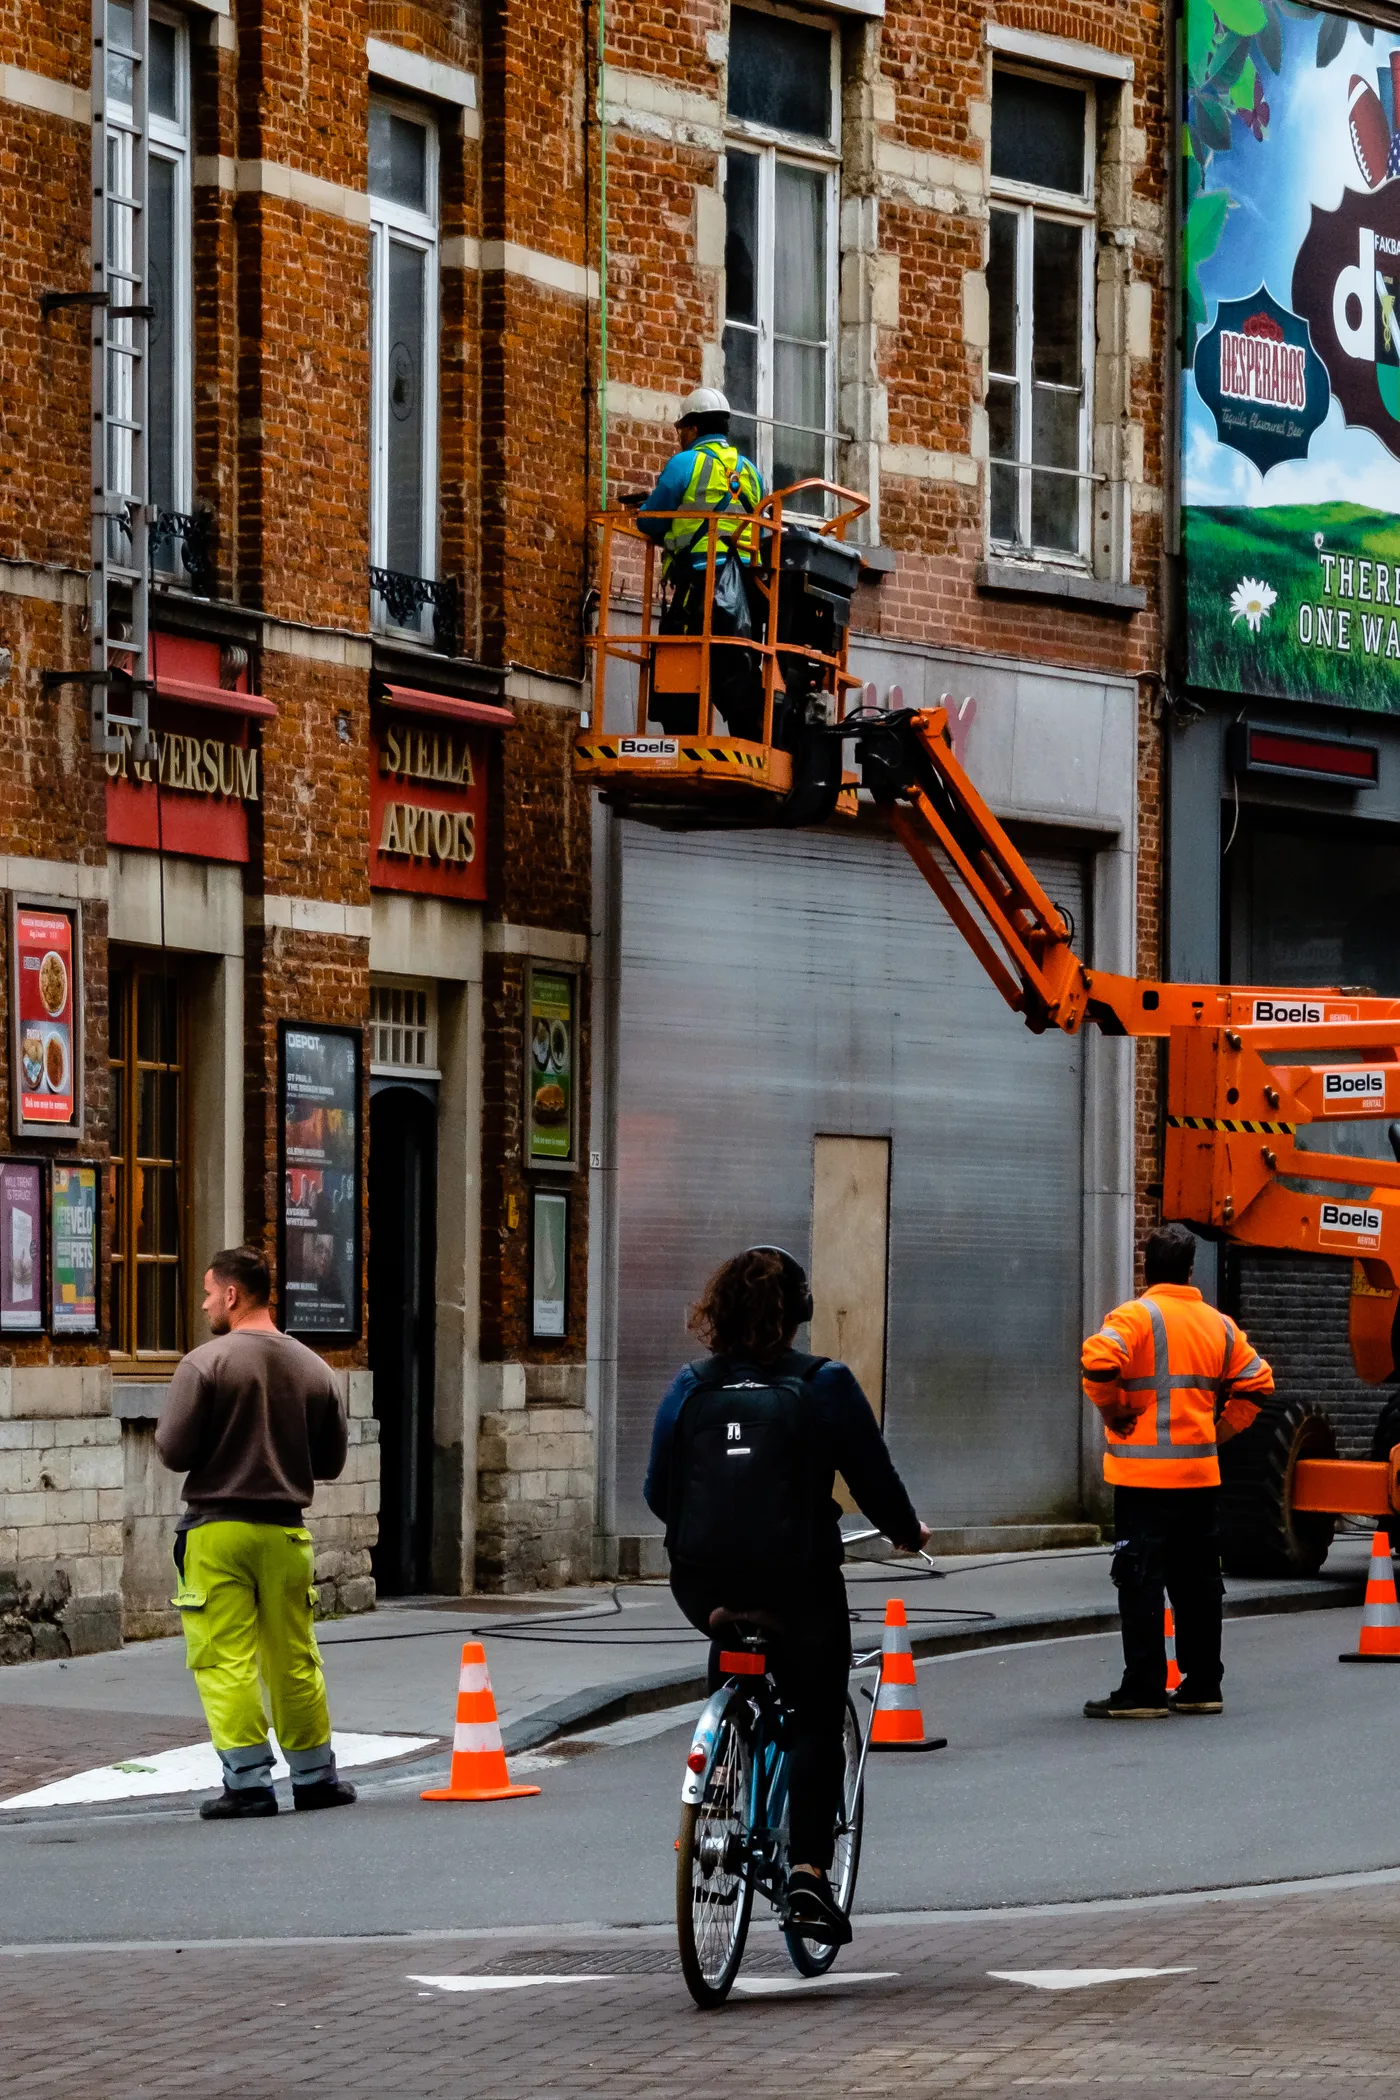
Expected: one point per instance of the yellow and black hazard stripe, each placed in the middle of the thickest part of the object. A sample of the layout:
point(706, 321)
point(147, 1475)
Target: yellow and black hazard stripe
point(755, 761)
point(1235, 1128)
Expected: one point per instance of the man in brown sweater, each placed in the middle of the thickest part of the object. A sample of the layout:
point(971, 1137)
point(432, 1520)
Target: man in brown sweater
point(253, 1419)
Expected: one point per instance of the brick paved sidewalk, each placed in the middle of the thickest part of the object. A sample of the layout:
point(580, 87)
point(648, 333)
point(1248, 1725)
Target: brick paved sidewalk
point(1285, 1994)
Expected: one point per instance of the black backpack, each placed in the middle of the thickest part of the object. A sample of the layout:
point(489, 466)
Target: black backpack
point(740, 1473)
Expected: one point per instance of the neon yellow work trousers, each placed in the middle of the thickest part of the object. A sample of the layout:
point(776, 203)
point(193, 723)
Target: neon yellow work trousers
point(245, 1598)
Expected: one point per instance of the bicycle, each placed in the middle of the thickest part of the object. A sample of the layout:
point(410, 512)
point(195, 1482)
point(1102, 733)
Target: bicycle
point(733, 1840)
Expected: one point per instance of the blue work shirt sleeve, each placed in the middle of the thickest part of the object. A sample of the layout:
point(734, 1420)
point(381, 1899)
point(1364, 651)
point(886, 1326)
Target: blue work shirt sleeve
point(657, 1489)
point(669, 494)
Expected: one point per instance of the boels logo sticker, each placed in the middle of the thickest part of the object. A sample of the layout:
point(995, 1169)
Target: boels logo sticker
point(648, 747)
point(1350, 1225)
point(1352, 1087)
point(1299, 1013)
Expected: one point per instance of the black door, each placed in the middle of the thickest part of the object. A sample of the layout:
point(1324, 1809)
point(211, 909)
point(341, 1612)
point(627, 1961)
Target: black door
point(402, 1259)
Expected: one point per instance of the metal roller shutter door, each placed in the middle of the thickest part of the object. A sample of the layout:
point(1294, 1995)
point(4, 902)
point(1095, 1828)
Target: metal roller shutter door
point(774, 988)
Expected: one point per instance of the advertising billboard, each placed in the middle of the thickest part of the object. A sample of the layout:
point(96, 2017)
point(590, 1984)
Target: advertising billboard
point(1291, 396)
point(320, 1180)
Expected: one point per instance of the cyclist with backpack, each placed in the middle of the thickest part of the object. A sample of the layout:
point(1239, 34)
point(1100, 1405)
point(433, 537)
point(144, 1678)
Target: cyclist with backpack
point(744, 1454)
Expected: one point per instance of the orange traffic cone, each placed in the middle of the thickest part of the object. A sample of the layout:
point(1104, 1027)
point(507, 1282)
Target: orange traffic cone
point(1173, 1667)
point(1380, 1614)
point(478, 1755)
point(898, 1723)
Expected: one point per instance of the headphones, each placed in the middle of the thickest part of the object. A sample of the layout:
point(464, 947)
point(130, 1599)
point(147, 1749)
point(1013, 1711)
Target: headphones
point(797, 1291)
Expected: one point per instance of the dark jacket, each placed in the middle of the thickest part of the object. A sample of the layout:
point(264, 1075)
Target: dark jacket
point(254, 1420)
point(846, 1439)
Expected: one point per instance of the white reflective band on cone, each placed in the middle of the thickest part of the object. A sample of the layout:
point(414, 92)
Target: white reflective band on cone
point(476, 1735)
point(473, 1678)
point(899, 1699)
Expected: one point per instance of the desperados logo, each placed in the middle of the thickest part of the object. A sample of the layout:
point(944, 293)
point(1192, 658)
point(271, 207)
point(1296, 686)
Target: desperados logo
point(1260, 377)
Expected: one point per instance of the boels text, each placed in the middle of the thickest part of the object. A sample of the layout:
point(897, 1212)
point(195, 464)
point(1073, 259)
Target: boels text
point(1351, 1087)
point(1357, 1224)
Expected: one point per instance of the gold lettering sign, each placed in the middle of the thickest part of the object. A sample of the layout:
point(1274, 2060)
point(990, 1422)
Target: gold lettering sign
point(421, 754)
point(416, 833)
point(196, 765)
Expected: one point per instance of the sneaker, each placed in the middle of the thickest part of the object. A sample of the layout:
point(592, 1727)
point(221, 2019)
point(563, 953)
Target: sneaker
point(1188, 1701)
point(1118, 1707)
point(324, 1793)
point(813, 1912)
point(236, 1802)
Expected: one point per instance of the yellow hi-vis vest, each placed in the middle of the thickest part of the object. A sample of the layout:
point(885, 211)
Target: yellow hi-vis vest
point(721, 479)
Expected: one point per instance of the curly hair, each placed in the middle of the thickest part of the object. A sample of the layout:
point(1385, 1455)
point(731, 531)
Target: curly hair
point(746, 1308)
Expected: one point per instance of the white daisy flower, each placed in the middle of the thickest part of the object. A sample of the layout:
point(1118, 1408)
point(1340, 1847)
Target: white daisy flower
point(1252, 600)
point(1319, 539)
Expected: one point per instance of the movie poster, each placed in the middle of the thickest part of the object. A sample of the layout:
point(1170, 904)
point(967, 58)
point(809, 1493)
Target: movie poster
point(321, 1180)
point(44, 1005)
point(1291, 411)
point(21, 1248)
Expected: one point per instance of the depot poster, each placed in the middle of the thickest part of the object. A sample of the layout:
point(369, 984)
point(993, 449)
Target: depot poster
point(1291, 410)
point(321, 1180)
point(44, 1004)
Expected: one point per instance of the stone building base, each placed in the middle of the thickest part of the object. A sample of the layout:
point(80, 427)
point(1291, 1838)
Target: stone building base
point(537, 1464)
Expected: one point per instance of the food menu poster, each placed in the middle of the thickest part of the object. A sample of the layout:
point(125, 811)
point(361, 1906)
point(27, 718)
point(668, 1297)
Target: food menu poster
point(45, 1009)
point(73, 1231)
point(21, 1265)
point(550, 1066)
point(320, 1155)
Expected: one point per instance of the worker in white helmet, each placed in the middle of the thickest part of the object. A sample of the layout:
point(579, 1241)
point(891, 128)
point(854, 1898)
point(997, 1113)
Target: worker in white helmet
point(708, 474)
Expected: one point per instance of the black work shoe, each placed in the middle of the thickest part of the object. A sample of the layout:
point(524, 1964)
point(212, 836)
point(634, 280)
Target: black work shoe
point(1187, 1700)
point(1118, 1707)
point(813, 1912)
point(239, 1801)
point(324, 1793)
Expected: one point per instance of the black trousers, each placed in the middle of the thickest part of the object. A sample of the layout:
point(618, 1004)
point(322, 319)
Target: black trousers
point(811, 1663)
point(1168, 1545)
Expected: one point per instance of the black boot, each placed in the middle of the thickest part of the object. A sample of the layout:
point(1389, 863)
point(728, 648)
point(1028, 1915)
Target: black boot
point(324, 1793)
point(236, 1802)
point(812, 1910)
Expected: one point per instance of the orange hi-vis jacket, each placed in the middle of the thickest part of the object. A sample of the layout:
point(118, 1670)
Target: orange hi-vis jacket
point(1179, 1366)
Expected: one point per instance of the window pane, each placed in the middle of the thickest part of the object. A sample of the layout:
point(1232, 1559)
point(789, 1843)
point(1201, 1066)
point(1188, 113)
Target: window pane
point(1004, 505)
point(116, 1014)
point(403, 381)
point(398, 159)
point(168, 1130)
point(118, 1211)
point(160, 228)
point(741, 237)
point(157, 1310)
point(119, 69)
point(1002, 414)
point(1055, 497)
point(799, 388)
point(741, 369)
point(1038, 133)
point(169, 1230)
point(798, 456)
point(1054, 513)
point(147, 1114)
point(1001, 291)
point(780, 74)
point(1054, 428)
point(1058, 331)
point(162, 86)
point(143, 1199)
point(799, 253)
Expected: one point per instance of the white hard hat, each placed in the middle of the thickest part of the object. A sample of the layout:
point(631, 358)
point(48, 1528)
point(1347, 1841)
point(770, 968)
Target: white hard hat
point(705, 401)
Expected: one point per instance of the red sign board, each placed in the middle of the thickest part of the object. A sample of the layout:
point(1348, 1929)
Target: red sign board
point(193, 796)
point(427, 805)
point(46, 1037)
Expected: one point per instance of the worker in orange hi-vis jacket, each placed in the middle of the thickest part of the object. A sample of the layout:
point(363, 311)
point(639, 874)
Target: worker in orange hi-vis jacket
point(1173, 1379)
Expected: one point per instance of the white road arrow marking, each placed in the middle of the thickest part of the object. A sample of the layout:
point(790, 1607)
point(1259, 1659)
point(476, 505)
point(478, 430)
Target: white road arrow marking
point(770, 1986)
point(1079, 1979)
point(499, 1983)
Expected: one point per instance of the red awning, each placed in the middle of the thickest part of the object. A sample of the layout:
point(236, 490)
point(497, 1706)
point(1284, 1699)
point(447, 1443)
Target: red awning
point(194, 694)
point(413, 702)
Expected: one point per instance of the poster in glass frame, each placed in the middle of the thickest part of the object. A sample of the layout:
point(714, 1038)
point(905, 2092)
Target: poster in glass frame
point(549, 1265)
point(75, 1213)
point(46, 1018)
point(23, 1280)
point(551, 1061)
point(319, 1211)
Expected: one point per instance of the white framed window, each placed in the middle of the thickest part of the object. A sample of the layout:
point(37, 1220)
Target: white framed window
point(403, 1028)
point(169, 288)
point(782, 170)
point(1040, 295)
point(403, 176)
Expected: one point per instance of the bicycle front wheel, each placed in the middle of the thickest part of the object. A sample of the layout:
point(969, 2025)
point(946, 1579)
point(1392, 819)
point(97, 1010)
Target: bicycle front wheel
point(815, 1957)
point(714, 1885)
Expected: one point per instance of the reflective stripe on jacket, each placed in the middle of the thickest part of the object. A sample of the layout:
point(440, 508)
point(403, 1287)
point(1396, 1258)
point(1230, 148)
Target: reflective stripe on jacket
point(1180, 1367)
point(721, 479)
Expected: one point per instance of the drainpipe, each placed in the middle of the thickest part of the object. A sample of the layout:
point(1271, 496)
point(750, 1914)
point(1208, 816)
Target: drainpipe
point(602, 254)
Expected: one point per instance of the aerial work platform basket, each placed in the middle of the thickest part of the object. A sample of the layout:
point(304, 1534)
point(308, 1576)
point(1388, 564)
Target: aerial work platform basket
point(721, 676)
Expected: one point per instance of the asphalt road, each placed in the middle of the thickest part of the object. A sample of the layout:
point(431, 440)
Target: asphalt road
point(1029, 1803)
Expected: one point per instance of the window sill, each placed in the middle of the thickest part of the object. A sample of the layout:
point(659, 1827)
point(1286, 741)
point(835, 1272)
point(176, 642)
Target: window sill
point(1023, 579)
point(134, 1401)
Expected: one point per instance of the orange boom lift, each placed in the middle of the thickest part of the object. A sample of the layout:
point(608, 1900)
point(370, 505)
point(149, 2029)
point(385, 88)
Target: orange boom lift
point(1247, 1066)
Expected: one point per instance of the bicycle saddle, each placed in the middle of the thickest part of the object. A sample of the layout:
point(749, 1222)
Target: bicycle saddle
point(724, 1615)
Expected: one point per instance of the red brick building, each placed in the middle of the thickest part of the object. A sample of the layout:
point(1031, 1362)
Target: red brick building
point(343, 940)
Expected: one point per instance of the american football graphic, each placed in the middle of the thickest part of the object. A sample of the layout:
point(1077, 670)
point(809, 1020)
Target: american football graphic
point(1370, 133)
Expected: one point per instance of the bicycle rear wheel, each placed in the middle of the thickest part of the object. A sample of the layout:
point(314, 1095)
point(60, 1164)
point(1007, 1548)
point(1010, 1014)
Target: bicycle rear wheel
point(714, 1885)
point(815, 1957)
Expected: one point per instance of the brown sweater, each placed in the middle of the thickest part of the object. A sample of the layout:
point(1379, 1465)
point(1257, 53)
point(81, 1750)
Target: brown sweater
point(254, 1421)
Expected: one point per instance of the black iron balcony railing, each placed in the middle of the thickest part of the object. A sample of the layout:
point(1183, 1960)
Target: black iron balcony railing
point(186, 538)
point(404, 599)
